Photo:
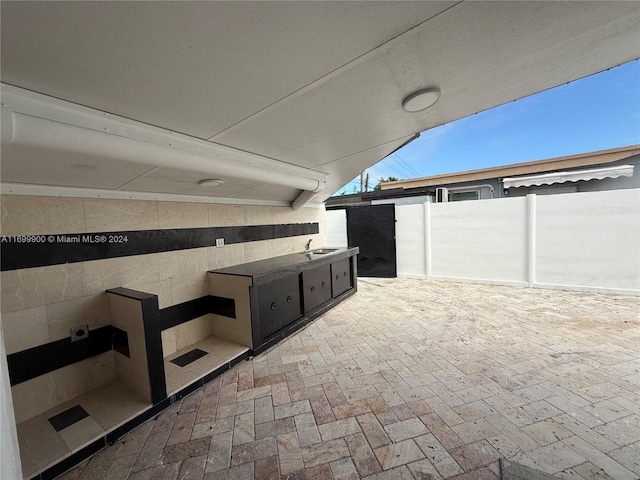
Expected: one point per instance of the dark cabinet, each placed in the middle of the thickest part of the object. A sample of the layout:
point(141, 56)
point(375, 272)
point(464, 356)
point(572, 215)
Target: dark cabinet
point(275, 297)
point(341, 276)
point(279, 303)
point(316, 285)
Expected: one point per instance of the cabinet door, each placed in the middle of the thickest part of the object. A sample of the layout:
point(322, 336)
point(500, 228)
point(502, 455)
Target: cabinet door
point(317, 287)
point(279, 304)
point(341, 276)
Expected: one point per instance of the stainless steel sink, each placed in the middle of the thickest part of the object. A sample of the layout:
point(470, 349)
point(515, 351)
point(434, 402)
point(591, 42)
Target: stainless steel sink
point(323, 251)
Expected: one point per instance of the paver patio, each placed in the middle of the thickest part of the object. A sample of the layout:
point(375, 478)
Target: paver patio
point(413, 379)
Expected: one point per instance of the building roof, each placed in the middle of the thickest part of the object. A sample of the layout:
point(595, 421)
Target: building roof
point(365, 198)
point(538, 166)
point(283, 101)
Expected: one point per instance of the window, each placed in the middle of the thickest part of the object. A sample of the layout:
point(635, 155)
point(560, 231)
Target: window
point(462, 196)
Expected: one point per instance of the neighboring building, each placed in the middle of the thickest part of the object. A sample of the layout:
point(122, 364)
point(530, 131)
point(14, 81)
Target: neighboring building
point(399, 196)
point(611, 169)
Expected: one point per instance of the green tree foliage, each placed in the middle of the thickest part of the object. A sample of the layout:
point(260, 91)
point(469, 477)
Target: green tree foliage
point(390, 179)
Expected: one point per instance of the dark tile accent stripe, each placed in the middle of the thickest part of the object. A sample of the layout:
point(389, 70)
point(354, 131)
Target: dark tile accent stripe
point(43, 250)
point(153, 342)
point(120, 342)
point(183, 312)
point(36, 361)
point(129, 293)
point(68, 417)
point(225, 307)
point(189, 357)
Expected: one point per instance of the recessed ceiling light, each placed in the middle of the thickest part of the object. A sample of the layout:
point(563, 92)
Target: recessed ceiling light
point(210, 182)
point(421, 100)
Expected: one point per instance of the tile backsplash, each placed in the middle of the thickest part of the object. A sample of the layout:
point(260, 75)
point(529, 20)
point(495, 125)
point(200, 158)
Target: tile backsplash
point(41, 304)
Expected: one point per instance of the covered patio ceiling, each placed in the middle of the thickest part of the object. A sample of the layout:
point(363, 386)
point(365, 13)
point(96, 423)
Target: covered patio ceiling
point(283, 101)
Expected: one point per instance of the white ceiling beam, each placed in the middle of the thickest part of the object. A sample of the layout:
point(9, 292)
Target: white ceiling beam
point(35, 120)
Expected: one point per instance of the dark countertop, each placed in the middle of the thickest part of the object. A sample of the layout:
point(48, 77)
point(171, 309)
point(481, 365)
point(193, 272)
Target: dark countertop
point(269, 269)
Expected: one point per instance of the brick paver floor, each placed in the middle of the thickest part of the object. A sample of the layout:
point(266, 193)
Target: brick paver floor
point(413, 379)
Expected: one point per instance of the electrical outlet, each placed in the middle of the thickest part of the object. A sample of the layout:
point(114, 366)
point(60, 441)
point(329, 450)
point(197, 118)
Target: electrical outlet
point(219, 242)
point(79, 333)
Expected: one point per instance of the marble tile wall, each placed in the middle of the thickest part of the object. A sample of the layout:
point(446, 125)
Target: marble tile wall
point(235, 329)
point(25, 215)
point(42, 393)
point(186, 334)
point(132, 371)
point(40, 305)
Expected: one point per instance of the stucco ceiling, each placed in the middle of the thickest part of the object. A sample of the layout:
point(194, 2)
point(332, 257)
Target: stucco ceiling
point(315, 87)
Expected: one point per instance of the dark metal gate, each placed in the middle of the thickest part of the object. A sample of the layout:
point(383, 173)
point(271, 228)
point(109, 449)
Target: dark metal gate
point(373, 229)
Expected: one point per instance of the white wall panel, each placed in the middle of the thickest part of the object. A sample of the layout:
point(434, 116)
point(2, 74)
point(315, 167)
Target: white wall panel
point(479, 240)
point(582, 241)
point(410, 240)
point(336, 228)
point(589, 240)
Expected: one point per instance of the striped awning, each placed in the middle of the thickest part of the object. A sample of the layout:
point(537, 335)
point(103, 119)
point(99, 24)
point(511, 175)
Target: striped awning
point(569, 176)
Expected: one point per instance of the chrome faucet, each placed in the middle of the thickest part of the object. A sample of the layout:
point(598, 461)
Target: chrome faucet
point(308, 247)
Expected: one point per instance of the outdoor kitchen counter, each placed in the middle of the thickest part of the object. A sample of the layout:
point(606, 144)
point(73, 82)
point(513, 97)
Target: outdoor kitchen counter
point(275, 297)
point(270, 269)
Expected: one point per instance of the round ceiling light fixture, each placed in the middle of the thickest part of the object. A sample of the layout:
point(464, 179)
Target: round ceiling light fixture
point(210, 182)
point(421, 100)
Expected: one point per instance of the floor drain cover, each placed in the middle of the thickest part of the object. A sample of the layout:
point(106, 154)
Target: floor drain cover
point(189, 357)
point(68, 417)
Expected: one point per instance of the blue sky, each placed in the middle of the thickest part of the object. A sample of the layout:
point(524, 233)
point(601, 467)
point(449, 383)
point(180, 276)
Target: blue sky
point(594, 113)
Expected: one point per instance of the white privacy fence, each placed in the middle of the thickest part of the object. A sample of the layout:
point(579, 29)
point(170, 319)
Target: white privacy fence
point(336, 221)
point(582, 241)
